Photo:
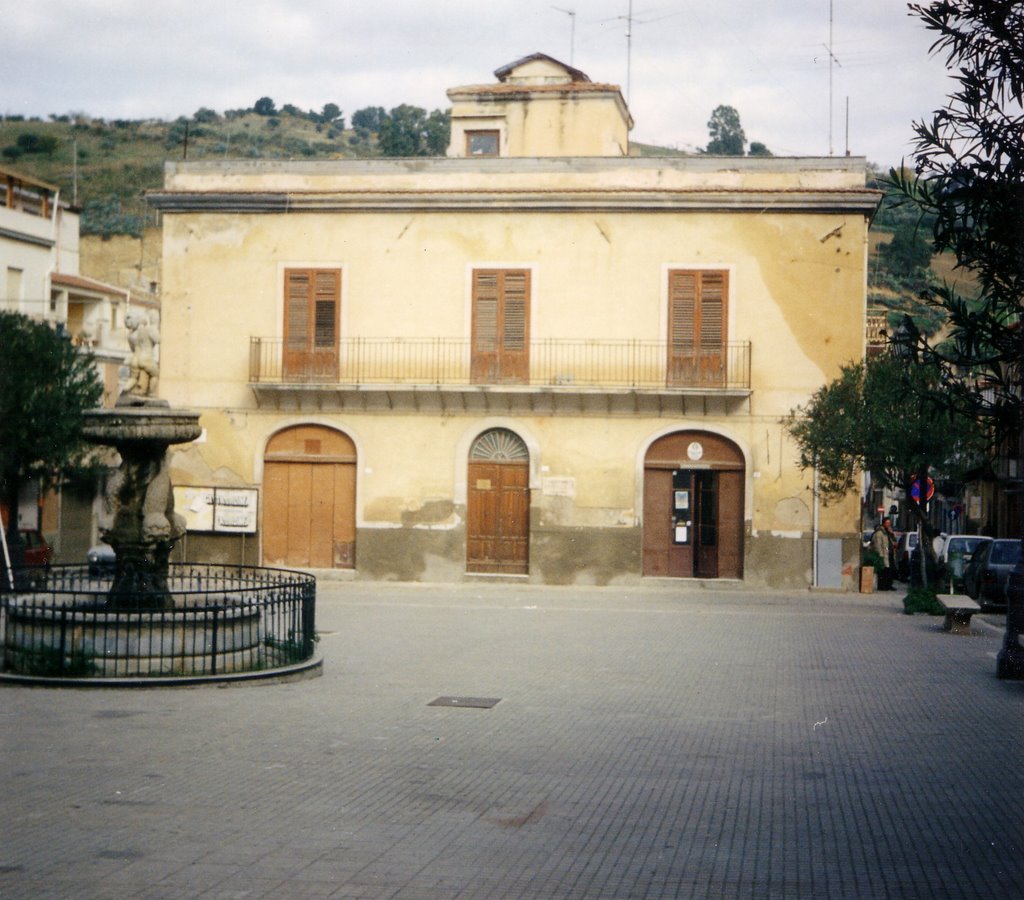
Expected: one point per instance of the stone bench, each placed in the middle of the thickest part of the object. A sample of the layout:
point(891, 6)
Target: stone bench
point(959, 609)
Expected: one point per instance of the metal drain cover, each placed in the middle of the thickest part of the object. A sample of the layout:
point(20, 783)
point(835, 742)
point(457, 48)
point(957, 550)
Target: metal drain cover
point(468, 702)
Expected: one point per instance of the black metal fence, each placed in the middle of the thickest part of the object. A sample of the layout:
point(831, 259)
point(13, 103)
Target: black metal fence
point(225, 619)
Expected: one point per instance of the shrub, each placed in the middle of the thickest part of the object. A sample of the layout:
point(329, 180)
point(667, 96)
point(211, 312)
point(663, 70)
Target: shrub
point(922, 600)
point(871, 558)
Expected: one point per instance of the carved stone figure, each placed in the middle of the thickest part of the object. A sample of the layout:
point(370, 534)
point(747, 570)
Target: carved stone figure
point(143, 336)
point(139, 521)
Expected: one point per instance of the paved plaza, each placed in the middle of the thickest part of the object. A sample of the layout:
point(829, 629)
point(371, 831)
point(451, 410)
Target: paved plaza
point(654, 741)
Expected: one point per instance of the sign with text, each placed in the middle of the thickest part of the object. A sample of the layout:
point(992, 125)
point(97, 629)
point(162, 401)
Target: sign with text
point(220, 510)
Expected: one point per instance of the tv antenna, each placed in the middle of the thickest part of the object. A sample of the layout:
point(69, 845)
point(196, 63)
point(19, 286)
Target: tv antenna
point(630, 19)
point(832, 61)
point(571, 13)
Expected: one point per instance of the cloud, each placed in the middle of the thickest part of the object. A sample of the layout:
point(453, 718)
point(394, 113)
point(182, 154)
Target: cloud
point(165, 58)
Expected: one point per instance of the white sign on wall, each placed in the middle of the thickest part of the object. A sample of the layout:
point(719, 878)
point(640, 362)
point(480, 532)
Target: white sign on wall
point(220, 510)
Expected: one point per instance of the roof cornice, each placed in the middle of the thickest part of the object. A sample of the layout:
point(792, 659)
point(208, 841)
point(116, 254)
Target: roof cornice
point(861, 201)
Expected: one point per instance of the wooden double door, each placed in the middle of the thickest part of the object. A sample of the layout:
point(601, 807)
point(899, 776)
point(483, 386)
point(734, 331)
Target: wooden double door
point(309, 499)
point(693, 509)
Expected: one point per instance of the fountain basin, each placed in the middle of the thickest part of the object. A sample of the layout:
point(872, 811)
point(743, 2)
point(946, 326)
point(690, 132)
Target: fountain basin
point(225, 622)
point(149, 424)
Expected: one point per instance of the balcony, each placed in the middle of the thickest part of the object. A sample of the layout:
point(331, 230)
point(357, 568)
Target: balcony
point(600, 376)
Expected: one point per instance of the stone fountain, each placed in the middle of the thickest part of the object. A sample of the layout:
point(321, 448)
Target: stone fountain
point(139, 522)
point(176, 623)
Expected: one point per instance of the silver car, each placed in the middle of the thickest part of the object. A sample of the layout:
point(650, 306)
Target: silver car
point(957, 550)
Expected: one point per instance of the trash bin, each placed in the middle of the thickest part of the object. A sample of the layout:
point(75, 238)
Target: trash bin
point(1010, 661)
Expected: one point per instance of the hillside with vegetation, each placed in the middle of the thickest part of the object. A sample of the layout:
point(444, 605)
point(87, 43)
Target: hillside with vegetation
point(104, 166)
point(901, 265)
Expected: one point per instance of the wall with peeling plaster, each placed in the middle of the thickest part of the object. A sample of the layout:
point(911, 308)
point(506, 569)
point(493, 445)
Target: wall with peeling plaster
point(599, 237)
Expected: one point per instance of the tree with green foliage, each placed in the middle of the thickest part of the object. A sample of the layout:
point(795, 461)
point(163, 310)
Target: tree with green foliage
point(887, 417)
point(968, 181)
point(368, 118)
point(106, 217)
point(30, 142)
point(908, 254)
point(865, 420)
point(409, 131)
point(726, 133)
point(46, 385)
point(330, 113)
point(264, 107)
point(759, 149)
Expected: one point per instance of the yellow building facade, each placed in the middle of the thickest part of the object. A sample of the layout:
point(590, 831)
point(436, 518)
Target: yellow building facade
point(567, 365)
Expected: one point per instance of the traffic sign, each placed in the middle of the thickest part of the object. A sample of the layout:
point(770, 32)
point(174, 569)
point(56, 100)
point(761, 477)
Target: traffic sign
point(915, 490)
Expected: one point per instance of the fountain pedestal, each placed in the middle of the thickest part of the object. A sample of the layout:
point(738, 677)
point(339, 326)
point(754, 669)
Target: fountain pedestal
point(139, 522)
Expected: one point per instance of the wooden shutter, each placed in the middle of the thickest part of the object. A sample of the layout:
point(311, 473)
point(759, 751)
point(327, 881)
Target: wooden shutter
point(312, 305)
point(501, 326)
point(697, 328)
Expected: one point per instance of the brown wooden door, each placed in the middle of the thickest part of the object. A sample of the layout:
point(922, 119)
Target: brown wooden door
point(730, 524)
point(697, 328)
point(311, 309)
point(693, 517)
point(680, 538)
point(662, 556)
point(498, 518)
point(309, 489)
point(501, 326)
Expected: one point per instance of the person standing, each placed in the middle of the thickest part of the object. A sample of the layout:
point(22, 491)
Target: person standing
point(883, 542)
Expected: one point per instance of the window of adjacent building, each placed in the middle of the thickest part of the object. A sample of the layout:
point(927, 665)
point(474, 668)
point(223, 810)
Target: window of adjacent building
point(14, 285)
point(312, 305)
point(482, 143)
point(501, 326)
point(697, 317)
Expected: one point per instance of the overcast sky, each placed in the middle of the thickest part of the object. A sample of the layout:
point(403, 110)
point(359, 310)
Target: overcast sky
point(769, 60)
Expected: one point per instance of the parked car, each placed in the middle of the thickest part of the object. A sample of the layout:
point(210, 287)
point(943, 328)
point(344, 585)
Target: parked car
point(986, 575)
point(38, 553)
point(905, 546)
point(100, 559)
point(956, 551)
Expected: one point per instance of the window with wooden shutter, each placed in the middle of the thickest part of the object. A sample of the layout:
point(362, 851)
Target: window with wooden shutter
point(501, 326)
point(697, 317)
point(312, 304)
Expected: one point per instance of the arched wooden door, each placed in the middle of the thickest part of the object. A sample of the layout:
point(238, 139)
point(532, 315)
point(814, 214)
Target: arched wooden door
point(498, 504)
point(693, 507)
point(309, 499)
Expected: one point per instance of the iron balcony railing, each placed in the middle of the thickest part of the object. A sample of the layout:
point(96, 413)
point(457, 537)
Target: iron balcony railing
point(625, 364)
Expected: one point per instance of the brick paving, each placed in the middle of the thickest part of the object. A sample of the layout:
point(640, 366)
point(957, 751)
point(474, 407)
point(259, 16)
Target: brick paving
point(649, 742)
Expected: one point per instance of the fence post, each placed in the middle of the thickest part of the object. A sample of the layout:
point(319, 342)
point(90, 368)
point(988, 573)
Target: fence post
point(213, 642)
point(308, 622)
point(63, 640)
